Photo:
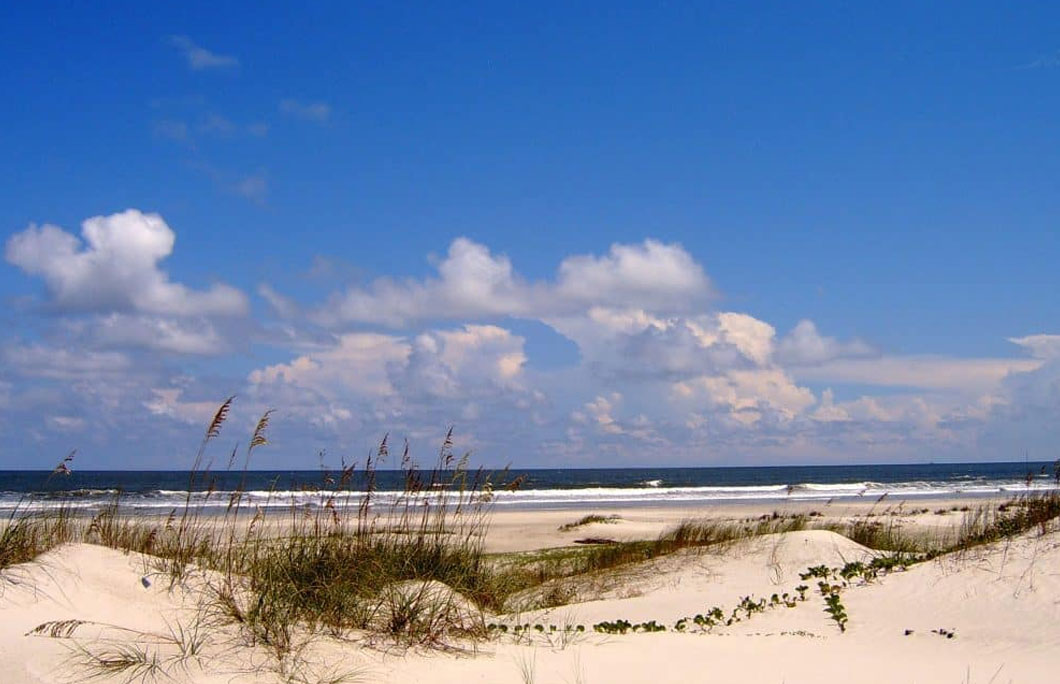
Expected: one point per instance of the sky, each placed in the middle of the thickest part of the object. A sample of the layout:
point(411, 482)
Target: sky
point(581, 234)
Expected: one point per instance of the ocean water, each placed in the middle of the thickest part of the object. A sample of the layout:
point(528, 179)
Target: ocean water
point(162, 491)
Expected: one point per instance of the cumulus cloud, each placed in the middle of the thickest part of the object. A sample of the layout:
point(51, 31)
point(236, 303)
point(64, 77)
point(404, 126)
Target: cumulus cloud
point(598, 413)
point(197, 336)
point(466, 362)
point(805, 346)
point(652, 275)
point(461, 363)
point(1040, 346)
point(748, 395)
point(752, 337)
point(115, 267)
point(636, 343)
point(199, 58)
point(600, 417)
point(474, 283)
point(415, 384)
point(471, 283)
point(170, 402)
point(357, 364)
point(1029, 399)
point(662, 374)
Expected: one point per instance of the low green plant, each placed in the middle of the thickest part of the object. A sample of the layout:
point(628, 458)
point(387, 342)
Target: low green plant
point(624, 626)
point(833, 605)
point(821, 571)
point(589, 520)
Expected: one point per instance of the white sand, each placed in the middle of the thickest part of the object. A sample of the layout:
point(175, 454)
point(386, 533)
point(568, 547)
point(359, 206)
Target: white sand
point(1002, 602)
point(522, 530)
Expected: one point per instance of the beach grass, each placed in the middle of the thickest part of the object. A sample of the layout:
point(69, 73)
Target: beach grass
point(26, 535)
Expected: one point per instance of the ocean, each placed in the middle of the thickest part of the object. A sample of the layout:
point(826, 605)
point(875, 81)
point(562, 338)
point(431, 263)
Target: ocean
point(162, 491)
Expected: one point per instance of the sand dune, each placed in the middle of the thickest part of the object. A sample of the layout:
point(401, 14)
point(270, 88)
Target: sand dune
point(1001, 602)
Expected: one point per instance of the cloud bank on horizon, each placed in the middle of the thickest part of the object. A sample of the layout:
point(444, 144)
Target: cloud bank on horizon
point(127, 362)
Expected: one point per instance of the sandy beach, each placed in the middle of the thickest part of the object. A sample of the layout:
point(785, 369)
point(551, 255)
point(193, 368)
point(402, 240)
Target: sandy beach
point(987, 614)
point(524, 530)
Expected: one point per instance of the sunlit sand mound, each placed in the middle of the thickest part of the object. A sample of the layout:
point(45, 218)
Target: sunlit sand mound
point(1000, 603)
point(111, 593)
point(694, 580)
point(1002, 595)
point(81, 611)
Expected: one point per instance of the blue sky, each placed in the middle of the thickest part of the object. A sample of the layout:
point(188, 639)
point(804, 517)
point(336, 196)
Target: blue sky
point(599, 234)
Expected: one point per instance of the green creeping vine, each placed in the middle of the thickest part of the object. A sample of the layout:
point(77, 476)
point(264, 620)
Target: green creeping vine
point(831, 583)
point(623, 626)
point(833, 606)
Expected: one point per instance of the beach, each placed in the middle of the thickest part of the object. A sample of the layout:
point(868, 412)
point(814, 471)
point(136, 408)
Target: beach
point(988, 613)
point(524, 530)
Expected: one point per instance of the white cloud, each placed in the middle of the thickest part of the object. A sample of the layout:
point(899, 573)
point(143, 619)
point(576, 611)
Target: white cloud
point(805, 346)
point(473, 283)
point(747, 395)
point(924, 372)
point(55, 363)
point(827, 411)
point(369, 381)
point(281, 305)
point(636, 343)
point(196, 336)
point(1030, 397)
point(115, 268)
point(1040, 346)
point(309, 111)
point(456, 364)
point(169, 402)
point(356, 365)
point(598, 413)
point(67, 423)
point(465, 362)
point(199, 58)
point(651, 274)
point(661, 375)
point(752, 337)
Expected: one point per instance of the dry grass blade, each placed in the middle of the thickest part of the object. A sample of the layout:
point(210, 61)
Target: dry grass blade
point(25, 535)
point(130, 662)
point(259, 438)
point(64, 468)
point(219, 418)
point(527, 665)
point(56, 629)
